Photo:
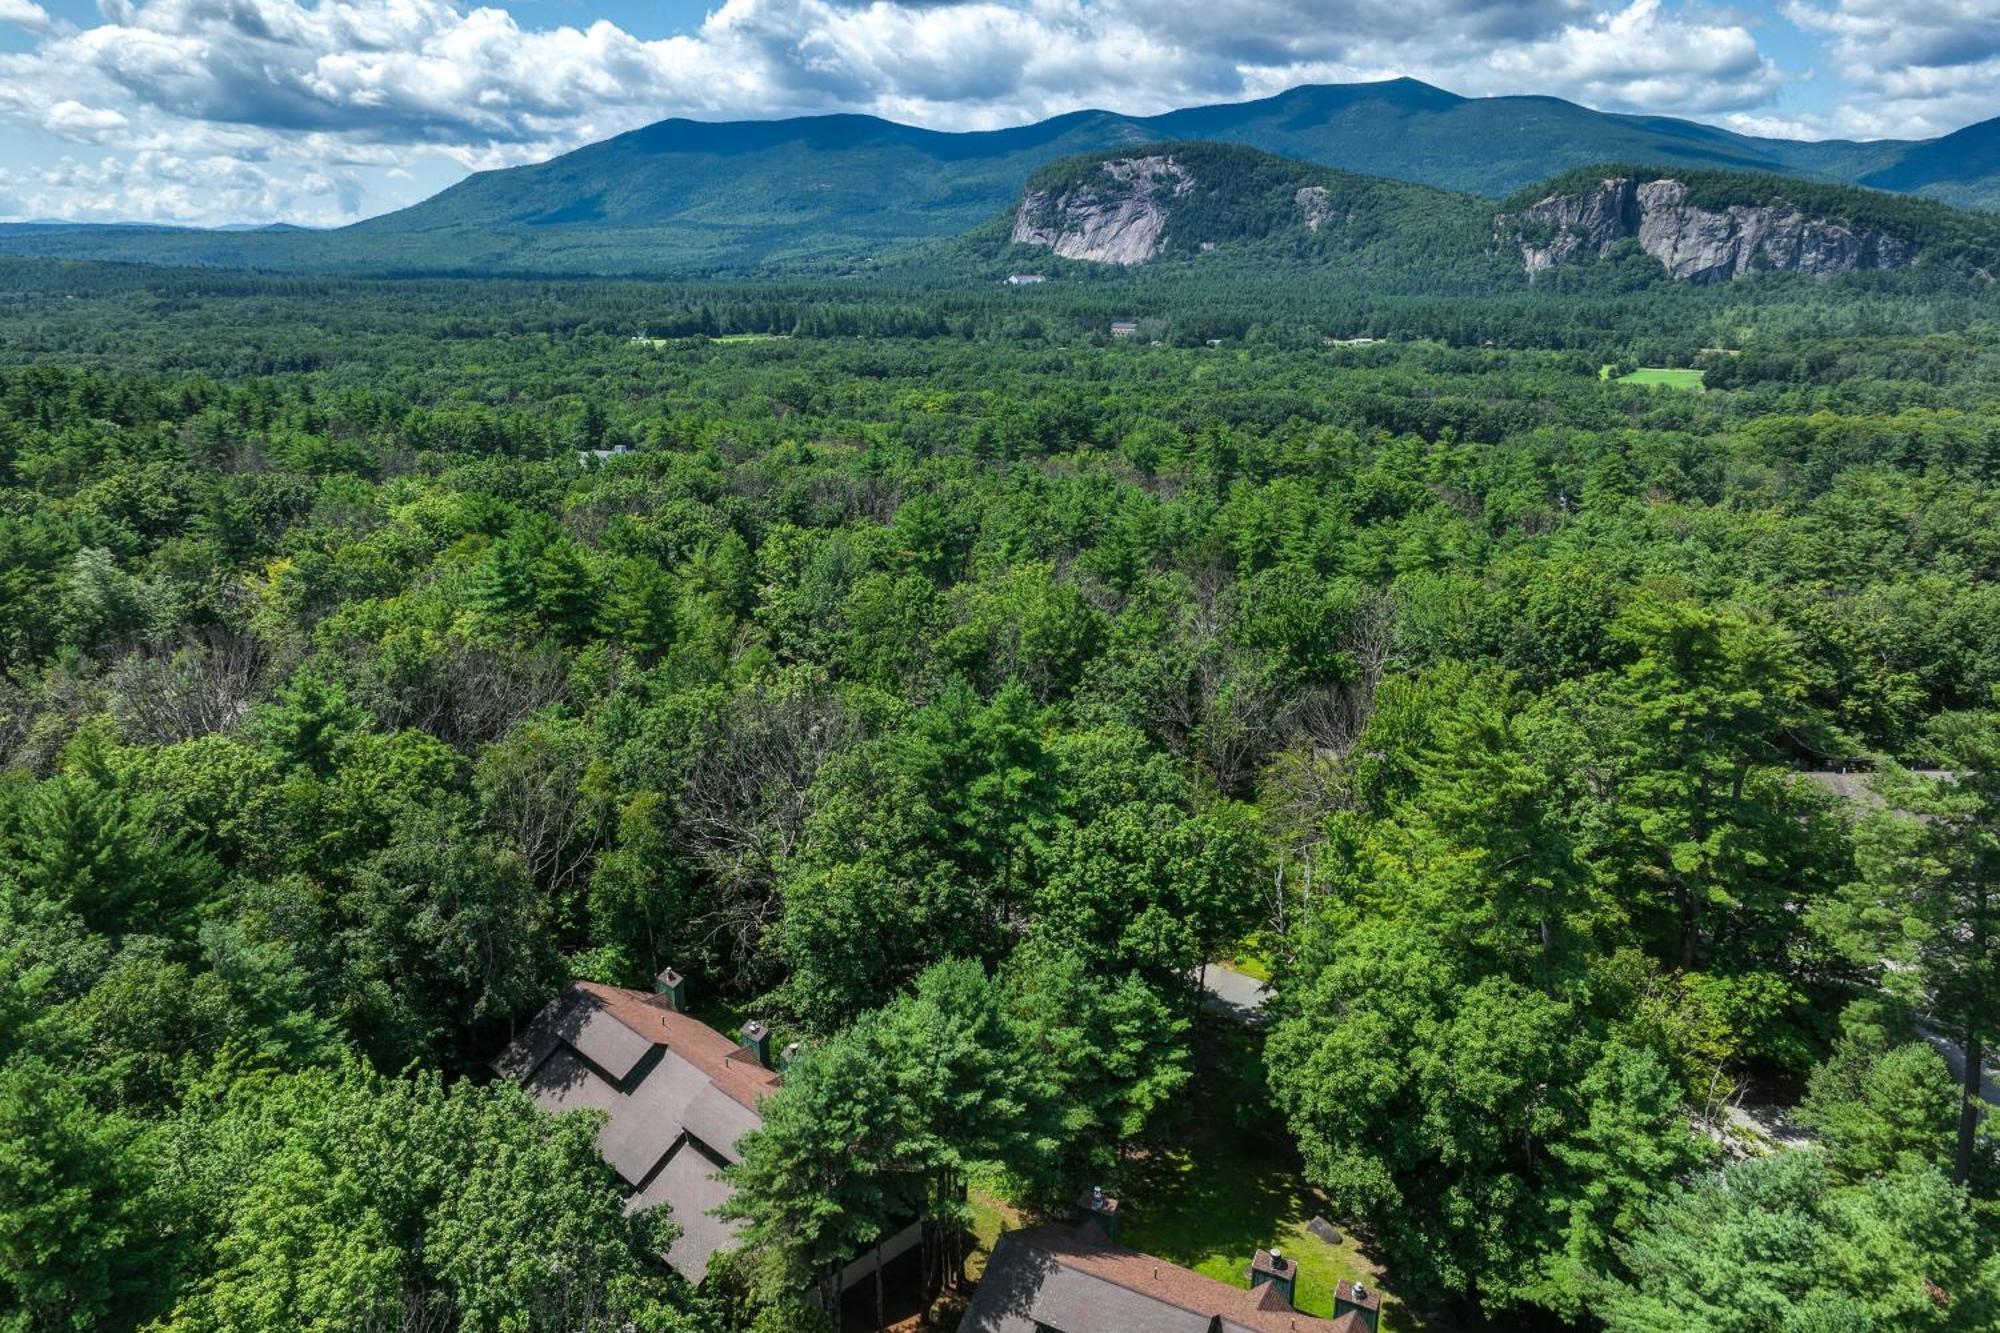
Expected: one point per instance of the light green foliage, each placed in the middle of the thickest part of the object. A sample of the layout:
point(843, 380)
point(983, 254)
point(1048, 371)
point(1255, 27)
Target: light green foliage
point(1664, 377)
point(1778, 1243)
point(79, 1239)
point(1507, 1141)
point(343, 1198)
point(1882, 1110)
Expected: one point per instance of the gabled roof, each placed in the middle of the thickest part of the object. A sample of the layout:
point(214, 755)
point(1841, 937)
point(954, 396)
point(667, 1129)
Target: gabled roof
point(1073, 1280)
point(676, 1095)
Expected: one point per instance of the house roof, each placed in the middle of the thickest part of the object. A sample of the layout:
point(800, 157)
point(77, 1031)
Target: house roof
point(1071, 1279)
point(676, 1096)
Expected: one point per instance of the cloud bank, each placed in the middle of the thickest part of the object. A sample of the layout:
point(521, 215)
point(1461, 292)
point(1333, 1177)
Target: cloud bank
point(229, 110)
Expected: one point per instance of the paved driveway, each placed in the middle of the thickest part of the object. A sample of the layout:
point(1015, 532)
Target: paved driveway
point(1233, 994)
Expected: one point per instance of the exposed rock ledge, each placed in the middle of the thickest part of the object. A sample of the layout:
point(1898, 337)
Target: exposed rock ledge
point(1695, 244)
point(1115, 215)
point(1315, 206)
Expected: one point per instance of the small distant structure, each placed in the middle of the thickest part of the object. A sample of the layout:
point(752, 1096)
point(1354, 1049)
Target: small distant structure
point(601, 454)
point(1026, 279)
point(1124, 328)
point(1365, 340)
point(1215, 342)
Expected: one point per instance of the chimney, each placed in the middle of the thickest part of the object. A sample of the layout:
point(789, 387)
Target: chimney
point(1096, 1206)
point(756, 1039)
point(674, 986)
point(1363, 1301)
point(1272, 1269)
point(788, 1056)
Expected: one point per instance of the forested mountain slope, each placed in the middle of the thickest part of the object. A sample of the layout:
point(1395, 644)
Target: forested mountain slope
point(838, 192)
point(1185, 200)
point(1717, 226)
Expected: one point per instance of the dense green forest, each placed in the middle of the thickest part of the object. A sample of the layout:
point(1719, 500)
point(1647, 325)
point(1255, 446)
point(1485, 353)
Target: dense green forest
point(947, 682)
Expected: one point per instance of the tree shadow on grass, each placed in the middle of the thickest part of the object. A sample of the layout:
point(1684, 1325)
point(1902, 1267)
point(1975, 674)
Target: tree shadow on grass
point(1231, 1181)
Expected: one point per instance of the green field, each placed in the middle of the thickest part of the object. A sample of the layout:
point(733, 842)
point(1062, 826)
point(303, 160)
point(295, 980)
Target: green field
point(1672, 377)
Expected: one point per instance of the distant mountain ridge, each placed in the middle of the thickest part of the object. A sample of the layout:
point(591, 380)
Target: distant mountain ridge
point(836, 193)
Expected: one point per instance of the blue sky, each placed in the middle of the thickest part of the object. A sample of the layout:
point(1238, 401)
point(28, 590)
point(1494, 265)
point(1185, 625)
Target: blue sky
point(323, 111)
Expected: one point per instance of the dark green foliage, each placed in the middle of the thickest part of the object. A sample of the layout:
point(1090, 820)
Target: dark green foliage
point(948, 684)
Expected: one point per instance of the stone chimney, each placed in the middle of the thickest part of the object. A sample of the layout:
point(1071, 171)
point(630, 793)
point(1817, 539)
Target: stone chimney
point(1094, 1205)
point(756, 1039)
point(1363, 1301)
point(674, 986)
point(1272, 1269)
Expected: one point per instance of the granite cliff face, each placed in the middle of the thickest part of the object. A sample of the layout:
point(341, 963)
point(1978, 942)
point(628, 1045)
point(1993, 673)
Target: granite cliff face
point(1120, 210)
point(1695, 244)
point(1115, 215)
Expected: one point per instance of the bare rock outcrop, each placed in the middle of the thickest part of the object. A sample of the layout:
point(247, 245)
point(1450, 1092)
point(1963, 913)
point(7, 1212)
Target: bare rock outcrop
point(1693, 243)
point(1116, 214)
point(1315, 206)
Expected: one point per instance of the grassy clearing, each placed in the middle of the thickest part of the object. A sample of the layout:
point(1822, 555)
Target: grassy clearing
point(1671, 377)
point(750, 337)
point(1234, 1185)
point(1253, 959)
point(1229, 1185)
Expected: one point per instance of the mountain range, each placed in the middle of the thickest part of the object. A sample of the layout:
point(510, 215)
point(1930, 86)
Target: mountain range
point(839, 193)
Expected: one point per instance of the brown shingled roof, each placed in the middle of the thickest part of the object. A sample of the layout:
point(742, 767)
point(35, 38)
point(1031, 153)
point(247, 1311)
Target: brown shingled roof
point(676, 1096)
point(1072, 1279)
point(725, 1062)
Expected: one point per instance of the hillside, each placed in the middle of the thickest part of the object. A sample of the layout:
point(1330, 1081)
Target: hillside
point(1219, 202)
point(1713, 226)
point(838, 193)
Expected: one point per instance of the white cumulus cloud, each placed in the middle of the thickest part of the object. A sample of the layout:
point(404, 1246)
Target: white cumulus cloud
point(250, 109)
point(1923, 66)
